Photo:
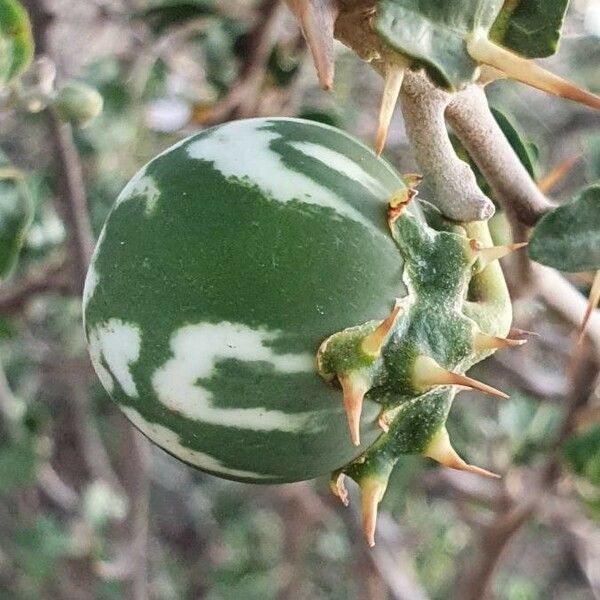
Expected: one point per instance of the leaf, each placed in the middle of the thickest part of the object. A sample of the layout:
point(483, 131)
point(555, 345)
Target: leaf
point(16, 40)
point(568, 237)
point(16, 214)
point(435, 33)
point(531, 28)
point(582, 454)
point(164, 14)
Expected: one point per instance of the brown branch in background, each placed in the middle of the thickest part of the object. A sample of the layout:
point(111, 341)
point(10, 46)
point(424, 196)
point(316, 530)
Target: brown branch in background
point(241, 101)
point(13, 299)
point(70, 194)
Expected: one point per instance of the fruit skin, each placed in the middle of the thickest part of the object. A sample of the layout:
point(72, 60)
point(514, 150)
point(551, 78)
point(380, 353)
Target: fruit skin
point(224, 264)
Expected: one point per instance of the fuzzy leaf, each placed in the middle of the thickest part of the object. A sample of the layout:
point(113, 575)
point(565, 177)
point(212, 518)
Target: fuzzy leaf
point(435, 33)
point(568, 238)
point(531, 28)
point(16, 40)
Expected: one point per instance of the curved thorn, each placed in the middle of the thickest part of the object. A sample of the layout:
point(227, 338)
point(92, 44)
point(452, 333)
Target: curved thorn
point(593, 301)
point(482, 342)
point(394, 74)
point(338, 488)
point(516, 67)
point(372, 493)
point(354, 390)
point(489, 254)
point(373, 343)
point(412, 179)
point(428, 373)
point(440, 449)
point(317, 19)
point(383, 423)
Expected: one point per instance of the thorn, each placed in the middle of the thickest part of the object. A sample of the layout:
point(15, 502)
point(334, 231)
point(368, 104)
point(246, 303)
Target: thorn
point(593, 301)
point(557, 174)
point(373, 343)
point(483, 342)
point(428, 373)
point(522, 332)
point(398, 203)
point(317, 19)
point(338, 487)
point(354, 390)
point(488, 255)
point(372, 492)
point(394, 74)
point(440, 449)
point(383, 422)
point(412, 179)
point(516, 67)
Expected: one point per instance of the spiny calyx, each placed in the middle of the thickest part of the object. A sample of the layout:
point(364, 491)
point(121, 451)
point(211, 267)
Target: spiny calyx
point(412, 362)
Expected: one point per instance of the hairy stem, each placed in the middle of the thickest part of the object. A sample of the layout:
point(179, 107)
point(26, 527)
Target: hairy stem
point(453, 185)
point(469, 116)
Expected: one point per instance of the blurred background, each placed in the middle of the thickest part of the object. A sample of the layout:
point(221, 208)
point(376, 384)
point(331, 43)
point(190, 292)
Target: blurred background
point(88, 510)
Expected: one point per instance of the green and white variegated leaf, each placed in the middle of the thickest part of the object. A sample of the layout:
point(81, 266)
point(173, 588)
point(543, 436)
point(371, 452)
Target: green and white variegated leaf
point(16, 213)
point(530, 28)
point(568, 237)
point(223, 265)
point(434, 33)
point(16, 40)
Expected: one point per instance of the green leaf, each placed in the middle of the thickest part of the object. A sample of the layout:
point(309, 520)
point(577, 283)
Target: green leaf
point(568, 237)
point(531, 28)
point(434, 33)
point(16, 40)
point(164, 14)
point(582, 454)
point(16, 213)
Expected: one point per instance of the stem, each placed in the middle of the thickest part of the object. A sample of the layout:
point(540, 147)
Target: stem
point(452, 182)
point(469, 115)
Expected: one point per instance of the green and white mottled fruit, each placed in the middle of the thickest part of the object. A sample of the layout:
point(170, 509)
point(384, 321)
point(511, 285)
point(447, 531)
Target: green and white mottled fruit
point(239, 299)
point(223, 265)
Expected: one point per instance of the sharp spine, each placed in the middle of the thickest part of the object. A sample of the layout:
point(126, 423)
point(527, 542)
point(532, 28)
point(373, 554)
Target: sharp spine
point(428, 373)
point(317, 19)
point(373, 343)
point(354, 389)
point(482, 342)
point(486, 255)
point(440, 449)
point(372, 492)
point(521, 69)
point(394, 74)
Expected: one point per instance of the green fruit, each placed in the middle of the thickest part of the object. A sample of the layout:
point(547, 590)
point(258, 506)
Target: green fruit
point(245, 274)
point(77, 103)
point(16, 40)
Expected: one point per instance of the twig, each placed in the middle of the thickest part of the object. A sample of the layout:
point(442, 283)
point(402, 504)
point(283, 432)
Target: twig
point(469, 115)
point(242, 98)
point(453, 185)
point(54, 280)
